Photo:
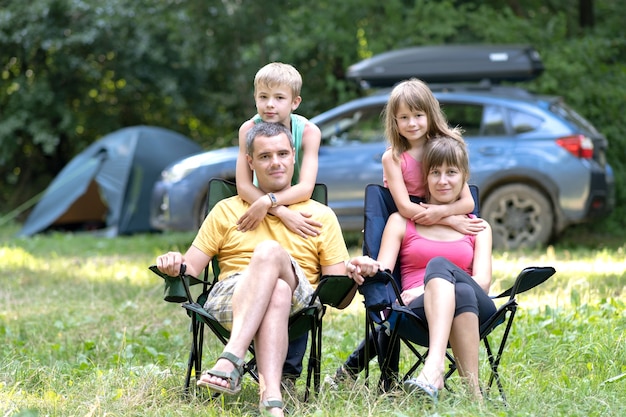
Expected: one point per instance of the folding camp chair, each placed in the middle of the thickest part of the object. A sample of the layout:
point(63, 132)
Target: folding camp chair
point(401, 324)
point(332, 290)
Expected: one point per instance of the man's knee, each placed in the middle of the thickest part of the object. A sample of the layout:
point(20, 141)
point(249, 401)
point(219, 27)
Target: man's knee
point(270, 252)
point(267, 249)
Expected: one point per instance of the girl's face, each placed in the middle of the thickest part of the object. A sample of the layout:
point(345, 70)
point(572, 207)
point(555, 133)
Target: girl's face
point(413, 125)
point(445, 184)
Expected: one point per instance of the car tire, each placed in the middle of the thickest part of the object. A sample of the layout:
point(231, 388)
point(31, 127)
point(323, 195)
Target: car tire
point(520, 217)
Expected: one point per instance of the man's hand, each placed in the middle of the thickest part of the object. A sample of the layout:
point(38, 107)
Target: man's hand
point(170, 263)
point(360, 267)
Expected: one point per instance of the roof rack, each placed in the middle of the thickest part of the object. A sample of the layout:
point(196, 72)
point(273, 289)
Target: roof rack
point(449, 64)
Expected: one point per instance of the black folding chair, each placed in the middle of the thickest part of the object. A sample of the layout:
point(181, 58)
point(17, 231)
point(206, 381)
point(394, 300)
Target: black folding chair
point(383, 314)
point(332, 290)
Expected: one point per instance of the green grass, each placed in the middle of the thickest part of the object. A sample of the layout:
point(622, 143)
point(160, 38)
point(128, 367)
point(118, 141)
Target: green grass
point(84, 331)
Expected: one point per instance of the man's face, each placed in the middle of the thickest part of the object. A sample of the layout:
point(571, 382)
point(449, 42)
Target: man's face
point(272, 160)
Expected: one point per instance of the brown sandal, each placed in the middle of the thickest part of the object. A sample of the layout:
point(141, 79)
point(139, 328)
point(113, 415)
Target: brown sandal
point(269, 403)
point(233, 378)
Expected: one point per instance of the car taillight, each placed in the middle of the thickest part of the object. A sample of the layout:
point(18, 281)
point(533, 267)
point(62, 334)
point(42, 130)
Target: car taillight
point(578, 145)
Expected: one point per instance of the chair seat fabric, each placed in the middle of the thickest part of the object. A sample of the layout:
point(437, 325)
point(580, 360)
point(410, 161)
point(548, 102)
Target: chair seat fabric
point(385, 314)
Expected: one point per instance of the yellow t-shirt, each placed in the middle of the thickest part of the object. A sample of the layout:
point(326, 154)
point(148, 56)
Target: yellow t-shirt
point(218, 236)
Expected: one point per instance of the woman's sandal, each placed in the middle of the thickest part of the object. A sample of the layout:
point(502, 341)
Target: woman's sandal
point(269, 403)
point(233, 378)
point(418, 386)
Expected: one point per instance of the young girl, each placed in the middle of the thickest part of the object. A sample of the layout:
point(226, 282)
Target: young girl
point(412, 117)
point(276, 95)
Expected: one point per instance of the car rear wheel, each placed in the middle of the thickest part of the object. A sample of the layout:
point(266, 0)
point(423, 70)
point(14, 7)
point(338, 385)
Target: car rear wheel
point(520, 217)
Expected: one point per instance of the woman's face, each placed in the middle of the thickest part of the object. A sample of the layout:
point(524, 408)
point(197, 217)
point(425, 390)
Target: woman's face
point(445, 184)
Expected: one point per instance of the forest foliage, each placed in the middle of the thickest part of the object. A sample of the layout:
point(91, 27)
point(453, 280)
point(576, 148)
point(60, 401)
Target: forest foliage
point(72, 71)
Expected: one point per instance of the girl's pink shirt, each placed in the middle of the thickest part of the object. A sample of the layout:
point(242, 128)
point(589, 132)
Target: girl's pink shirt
point(412, 175)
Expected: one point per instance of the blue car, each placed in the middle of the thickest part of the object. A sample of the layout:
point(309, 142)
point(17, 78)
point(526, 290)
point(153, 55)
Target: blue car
point(539, 165)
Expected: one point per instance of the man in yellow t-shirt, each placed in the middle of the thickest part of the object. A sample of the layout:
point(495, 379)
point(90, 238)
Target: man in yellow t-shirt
point(266, 273)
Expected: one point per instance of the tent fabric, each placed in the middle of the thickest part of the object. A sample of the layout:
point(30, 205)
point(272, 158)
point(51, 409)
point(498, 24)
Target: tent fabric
point(124, 165)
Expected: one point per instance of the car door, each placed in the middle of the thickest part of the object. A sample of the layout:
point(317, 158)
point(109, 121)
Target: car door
point(485, 130)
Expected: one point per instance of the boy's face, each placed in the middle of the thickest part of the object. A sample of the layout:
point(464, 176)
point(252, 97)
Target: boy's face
point(273, 161)
point(275, 104)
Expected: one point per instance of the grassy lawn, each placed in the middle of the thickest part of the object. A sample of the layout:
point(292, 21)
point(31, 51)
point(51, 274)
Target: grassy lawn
point(84, 331)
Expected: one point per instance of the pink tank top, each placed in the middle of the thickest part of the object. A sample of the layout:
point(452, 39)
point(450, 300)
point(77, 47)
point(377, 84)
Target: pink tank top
point(412, 174)
point(416, 251)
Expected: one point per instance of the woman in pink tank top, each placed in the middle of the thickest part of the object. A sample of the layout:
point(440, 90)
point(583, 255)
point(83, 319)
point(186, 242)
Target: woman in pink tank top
point(445, 274)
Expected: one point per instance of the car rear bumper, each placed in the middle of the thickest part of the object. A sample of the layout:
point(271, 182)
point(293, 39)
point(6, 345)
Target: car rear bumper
point(601, 201)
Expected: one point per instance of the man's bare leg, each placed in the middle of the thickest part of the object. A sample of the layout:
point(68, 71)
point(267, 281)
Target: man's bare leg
point(269, 263)
point(271, 344)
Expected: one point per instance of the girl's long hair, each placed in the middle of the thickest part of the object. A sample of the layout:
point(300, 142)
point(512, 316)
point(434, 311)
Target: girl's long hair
point(417, 97)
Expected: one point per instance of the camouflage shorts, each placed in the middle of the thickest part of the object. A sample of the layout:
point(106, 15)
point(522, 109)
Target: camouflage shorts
point(219, 304)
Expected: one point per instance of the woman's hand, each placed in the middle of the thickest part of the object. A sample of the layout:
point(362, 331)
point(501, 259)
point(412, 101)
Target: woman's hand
point(410, 295)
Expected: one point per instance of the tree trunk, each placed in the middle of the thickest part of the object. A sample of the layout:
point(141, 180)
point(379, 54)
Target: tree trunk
point(585, 13)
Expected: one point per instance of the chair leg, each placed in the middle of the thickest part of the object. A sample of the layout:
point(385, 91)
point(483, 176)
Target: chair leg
point(194, 362)
point(314, 365)
point(494, 360)
point(190, 365)
point(367, 347)
point(318, 358)
point(370, 334)
point(309, 369)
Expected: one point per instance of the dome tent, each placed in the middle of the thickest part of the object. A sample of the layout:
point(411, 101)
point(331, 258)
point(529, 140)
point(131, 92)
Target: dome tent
point(110, 183)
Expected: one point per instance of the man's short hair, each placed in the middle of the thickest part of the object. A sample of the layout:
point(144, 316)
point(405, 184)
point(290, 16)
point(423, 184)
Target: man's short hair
point(277, 74)
point(268, 130)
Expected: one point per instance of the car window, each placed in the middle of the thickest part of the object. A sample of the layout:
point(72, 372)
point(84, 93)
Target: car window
point(467, 116)
point(573, 117)
point(524, 122)
point(359, 126)
point(493, 121)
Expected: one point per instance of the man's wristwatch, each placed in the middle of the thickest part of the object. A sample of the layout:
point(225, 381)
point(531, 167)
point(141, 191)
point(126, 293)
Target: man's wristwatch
point(272, 199)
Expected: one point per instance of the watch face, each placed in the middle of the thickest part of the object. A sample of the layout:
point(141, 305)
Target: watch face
point(272, 198)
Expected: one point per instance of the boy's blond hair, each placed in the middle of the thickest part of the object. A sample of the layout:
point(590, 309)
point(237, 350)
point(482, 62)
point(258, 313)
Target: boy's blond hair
point(276, 74)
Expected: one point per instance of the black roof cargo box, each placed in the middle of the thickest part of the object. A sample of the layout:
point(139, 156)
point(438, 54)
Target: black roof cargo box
point(449, 64)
